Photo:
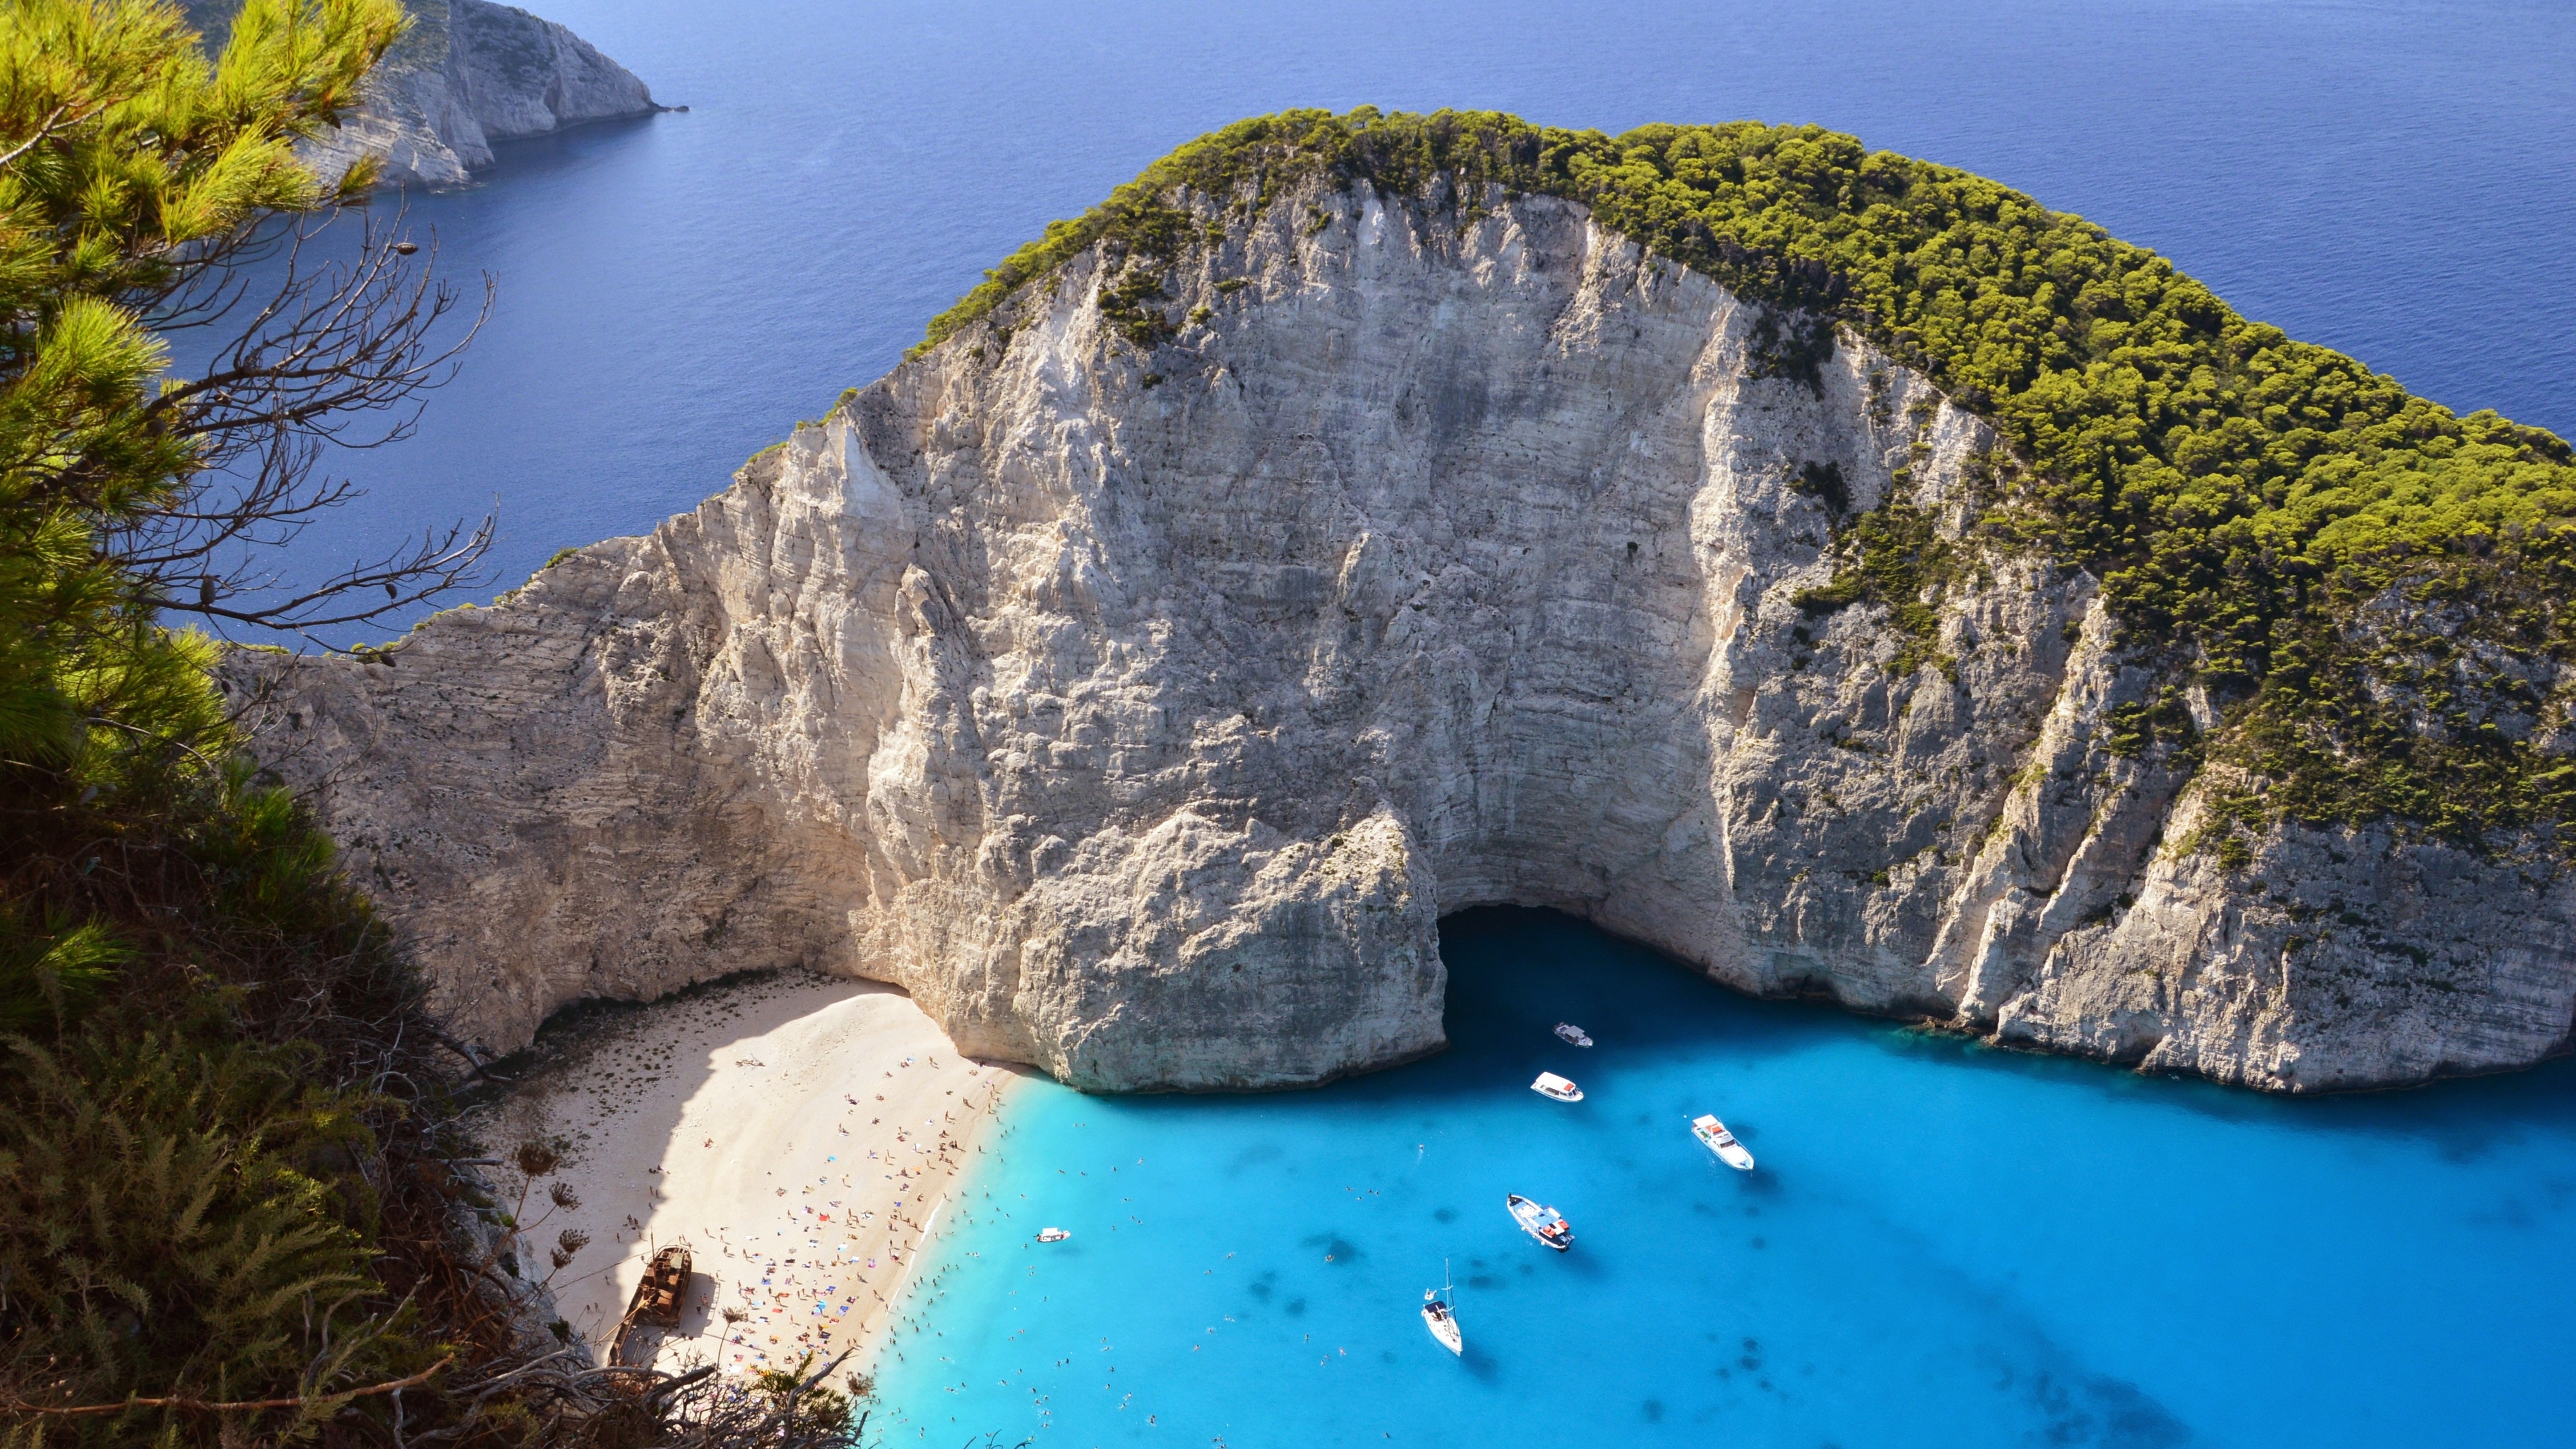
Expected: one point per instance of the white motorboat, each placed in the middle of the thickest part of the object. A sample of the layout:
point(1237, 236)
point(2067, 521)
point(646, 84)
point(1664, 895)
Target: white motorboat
point(1441, 1317)
point(1556, 1088)
point(1052, 1235)
point(1713, 1135)
point(1543, 1223)
point(1571, 1034)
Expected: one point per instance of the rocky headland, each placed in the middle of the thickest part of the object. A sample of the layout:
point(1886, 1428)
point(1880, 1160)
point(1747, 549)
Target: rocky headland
point(468, 73)
point(1137, 675)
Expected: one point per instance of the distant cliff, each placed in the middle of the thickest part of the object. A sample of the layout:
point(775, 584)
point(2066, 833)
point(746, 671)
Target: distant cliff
point(468, 74)
point(1139, 672)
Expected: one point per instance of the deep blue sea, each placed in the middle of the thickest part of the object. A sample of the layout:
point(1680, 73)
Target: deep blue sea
point(1944, 1245)
point(2395, 178)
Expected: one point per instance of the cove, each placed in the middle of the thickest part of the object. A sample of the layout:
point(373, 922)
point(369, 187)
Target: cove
point(1945, 1244)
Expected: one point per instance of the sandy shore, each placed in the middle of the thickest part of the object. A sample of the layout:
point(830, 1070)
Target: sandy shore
point(796, 1133)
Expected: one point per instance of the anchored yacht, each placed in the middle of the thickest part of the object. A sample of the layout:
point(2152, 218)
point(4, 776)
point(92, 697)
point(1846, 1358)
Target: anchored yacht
point(1440, 1315)
point(1713, 1135)
point(1556, 1088)
point(1543, 1223)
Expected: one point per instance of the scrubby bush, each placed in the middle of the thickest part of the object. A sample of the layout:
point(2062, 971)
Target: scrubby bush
point(231, 1210)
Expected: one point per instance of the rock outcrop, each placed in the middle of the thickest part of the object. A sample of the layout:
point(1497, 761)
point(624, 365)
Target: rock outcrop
point(1141, 711)
point(468, 74)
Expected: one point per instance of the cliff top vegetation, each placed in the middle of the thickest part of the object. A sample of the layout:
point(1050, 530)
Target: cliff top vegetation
point(2366, 585)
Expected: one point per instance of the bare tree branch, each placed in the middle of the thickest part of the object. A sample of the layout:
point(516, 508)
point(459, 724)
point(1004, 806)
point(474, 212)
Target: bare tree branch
point(339, 354)
point(45, 129)
point(248, 1406)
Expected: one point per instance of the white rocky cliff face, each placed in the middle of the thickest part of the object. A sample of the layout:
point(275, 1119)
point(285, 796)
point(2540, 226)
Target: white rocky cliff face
point(468, 74)
point(1142, 713)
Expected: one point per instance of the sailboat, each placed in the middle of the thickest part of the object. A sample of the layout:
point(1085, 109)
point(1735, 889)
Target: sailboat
point(1440, 1316)
point(1713, 1135)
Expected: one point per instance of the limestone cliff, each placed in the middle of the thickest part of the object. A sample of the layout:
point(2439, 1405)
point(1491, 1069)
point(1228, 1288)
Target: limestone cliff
point(1141, 712)
point(468, 74)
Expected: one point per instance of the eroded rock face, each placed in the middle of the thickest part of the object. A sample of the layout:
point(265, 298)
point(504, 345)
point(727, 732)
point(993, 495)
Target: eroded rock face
point(471, 73)
point(1141, 713)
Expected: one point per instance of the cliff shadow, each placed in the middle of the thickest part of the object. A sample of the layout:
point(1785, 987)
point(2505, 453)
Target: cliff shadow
point(569, 148)
point(2462, 1118)
point(1514, 972)
point(607, 1085)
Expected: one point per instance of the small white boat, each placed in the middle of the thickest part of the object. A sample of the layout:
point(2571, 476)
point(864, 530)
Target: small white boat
point(1543, 1223)
point(1440, 1317)
point(1571, 1034)
point(1713, 1135)
point(1556, 1088)
point(1443, 1324)
point(1052, 1235)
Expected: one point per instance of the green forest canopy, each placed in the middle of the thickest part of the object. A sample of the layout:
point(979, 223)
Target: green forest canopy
point(2247, 500)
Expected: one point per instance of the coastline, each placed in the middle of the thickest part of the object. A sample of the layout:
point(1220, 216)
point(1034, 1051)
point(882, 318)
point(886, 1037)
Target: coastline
point(874, 1334)
point(798, 1134)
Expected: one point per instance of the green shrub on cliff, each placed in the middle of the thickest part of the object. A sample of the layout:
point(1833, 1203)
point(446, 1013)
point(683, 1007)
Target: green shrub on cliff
point(2369, 586)
point(229, 1208)
point(191, 1162)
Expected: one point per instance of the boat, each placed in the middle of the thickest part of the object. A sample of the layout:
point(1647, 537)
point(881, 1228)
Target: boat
point(1713, 1135)
point(657, 1303)
point(1543, 1223)
point(1052, 1235)
point(1556, 1088)
point(1440, 1316)
point(666, 1283)
point(1571, 1034)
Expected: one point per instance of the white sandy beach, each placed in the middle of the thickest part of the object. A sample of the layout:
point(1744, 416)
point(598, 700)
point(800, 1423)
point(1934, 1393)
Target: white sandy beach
point(796, 1133)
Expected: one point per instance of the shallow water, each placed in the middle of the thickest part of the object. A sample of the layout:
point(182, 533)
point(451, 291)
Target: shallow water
point(1943, 1244)
point(2396, 178)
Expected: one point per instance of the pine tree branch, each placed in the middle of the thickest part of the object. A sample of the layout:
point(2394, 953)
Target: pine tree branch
point(247, 1406)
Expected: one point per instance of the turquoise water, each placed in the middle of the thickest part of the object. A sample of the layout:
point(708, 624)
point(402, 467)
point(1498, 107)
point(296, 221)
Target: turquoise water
point(1943, 1245)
